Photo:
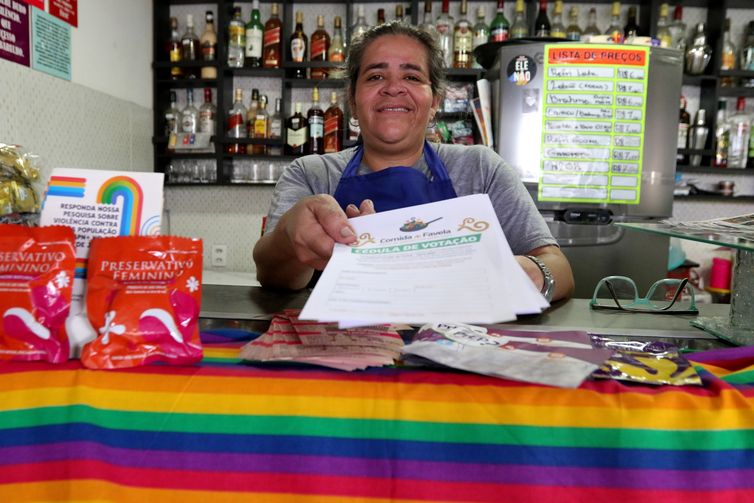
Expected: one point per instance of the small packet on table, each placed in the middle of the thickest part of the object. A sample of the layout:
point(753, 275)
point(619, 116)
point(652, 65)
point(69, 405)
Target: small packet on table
point(143, 298)
point(649, 362)
point(36, 276)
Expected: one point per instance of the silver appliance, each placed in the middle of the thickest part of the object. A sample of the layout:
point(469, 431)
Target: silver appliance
point(585, 230)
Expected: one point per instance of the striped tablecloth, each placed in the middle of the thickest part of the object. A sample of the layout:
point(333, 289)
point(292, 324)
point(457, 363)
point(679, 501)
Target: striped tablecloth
point(224, 431)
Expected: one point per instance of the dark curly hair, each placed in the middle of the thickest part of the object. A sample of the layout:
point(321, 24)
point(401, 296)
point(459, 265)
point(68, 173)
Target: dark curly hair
point(435, 61)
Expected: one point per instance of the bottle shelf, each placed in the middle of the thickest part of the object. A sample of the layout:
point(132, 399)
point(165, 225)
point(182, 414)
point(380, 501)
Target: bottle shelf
point(310, 83)
point(187, 83)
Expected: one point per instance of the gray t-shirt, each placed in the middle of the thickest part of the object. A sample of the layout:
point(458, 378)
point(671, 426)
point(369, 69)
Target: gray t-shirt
point(472, 169)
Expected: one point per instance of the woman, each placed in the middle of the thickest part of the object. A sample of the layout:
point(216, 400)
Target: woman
point(396, 84)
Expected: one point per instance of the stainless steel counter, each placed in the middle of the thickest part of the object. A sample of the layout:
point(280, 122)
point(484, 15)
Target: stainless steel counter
point(251, 307)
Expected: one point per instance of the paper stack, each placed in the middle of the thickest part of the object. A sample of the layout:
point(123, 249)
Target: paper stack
point(292, 340)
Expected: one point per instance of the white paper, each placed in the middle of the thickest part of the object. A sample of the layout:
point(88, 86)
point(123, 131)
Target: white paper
point(484, 90)
point(446, 261)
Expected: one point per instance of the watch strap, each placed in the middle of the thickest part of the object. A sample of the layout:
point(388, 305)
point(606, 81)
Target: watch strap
point(548, 288)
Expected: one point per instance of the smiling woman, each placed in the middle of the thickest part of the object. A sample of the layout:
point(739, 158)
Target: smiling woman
point(396, 82)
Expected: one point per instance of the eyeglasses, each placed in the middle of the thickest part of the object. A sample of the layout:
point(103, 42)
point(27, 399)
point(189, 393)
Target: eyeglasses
point(666, 296)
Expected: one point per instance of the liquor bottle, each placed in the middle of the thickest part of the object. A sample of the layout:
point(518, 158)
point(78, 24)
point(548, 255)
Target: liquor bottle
point(271, 49)
point(591, 24)
point(333, 126)
point(739, 126)
point(698, 136)
point(558, 29)
point(747, 54)
point(399, 16)
point(631, 30)
point(361, 26)
point(296, 133)
point(261, 127)
point(573, 31)
point(615, 30)
point(519, 28)
point(481, 31)
point(190, 48)
point(663, 27)
point(276, 128)
point(337, 51)
point(499, 28)
point(380, 16)
point(728, 56)
point(298, 43)
point(444, 27)
point(320, 40)
point(354, 130)
point(251, 112)
point(542, 22)
point(254, 37)
point(190, 115)
point(175, 50)
point(236, 40)
point(172, 116)
point(207, 113)
point(684, 122)
point(698, 55)
point(208, 43)
point(678, 30)
point(316, 118)
point(427, 23)
point(463, 39)
point(722, 136)
point(236, 124)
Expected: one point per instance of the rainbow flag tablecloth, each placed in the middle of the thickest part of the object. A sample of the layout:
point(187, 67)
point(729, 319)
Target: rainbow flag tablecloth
point(225, 431)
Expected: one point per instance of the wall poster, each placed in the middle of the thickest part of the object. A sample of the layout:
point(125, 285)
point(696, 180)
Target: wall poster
point(52, 45)
point(14, 32)
point(594, 104)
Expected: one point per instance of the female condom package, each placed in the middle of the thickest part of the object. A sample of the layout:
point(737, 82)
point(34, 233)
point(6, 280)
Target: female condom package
point(36, 277)
point(143, 299)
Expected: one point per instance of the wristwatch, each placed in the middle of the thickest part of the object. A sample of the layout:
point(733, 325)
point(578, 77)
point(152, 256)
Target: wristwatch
point(549, 286)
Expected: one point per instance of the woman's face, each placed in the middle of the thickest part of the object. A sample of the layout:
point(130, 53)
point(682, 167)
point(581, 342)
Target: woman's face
point(393, 100)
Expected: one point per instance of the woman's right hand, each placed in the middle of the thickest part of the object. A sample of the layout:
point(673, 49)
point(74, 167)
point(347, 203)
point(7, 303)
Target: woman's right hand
point(313, 226)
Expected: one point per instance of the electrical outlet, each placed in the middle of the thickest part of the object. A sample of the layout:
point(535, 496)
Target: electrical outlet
point(219, 255)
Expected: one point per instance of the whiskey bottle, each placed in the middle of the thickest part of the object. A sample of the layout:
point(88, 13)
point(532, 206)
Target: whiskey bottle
point(499, 28)
point(444, 27)
point(316, 118)
point(298, 43)
point(236, 40)
point(361, 26)
point(722, 136)
point(251, 112)
point(573, 31)
point(276, 128)
point(261, 127)
point(296, 133)
point(337, 51)
point(380, 16)
point(558, 29)
point(663, 31)
point(189, 115)
point(591, 24)
point(208, 43)
point(399, 15)
point(519, 28)
point(207, 113)
point(320, 41)
point(684, 122)
point(542, 22)
point(236, 124)
point(271, 53)
point(481, 33)
point(631, 30)
point(728, 56)
point(333, 126)
point(254, 33)
point(190, 48)
point(427, 23)
point(175, 50)
point(172, 116)
point(463, 39)
point(615, 30)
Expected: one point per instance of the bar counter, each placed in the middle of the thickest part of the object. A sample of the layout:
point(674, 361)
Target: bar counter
point(225, 430)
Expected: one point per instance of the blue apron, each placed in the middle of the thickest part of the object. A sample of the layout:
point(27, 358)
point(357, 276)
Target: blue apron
point(395, 187)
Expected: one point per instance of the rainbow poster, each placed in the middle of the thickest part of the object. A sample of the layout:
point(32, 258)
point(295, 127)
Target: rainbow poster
point(99, 203)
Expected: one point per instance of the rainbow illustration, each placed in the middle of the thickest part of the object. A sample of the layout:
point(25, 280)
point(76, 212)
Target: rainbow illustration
point(129, 191)
point(80, 271)
point(66, 186)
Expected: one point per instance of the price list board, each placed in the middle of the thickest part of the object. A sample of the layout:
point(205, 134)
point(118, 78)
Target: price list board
point(593, 121)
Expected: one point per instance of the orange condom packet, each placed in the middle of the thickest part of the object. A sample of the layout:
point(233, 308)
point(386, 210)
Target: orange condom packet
point(36, 278)
point(143, 298)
